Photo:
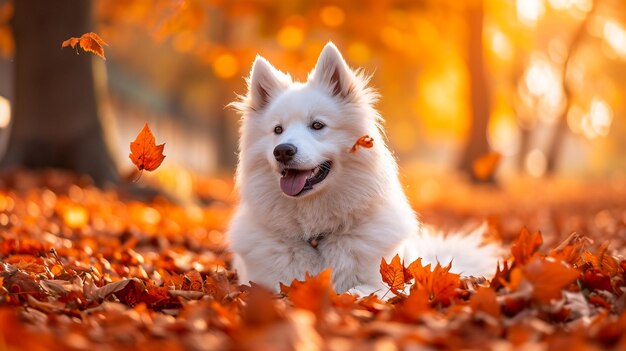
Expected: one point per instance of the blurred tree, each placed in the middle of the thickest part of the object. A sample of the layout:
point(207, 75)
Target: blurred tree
point(476, 144)
point(561, 128)
point(56, 117)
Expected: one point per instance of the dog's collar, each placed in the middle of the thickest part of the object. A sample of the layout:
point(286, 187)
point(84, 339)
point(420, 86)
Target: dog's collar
point(315, 241)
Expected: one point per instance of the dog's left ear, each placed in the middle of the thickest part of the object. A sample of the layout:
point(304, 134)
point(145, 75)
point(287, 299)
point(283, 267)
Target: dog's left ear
point(332, 72)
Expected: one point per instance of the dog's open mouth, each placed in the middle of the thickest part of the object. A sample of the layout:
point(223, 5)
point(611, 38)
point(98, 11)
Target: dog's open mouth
point(296, 181)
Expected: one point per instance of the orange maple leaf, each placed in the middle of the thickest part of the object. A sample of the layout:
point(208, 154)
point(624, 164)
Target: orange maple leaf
point(394, 274)
point(89, 42)
point(549, 277)
point(484, 166)
point(144, 152)
point(526, 245)
point(441, 285)
point(485, 300)
point(365, 141)
point(314, 293)
point(415, 306)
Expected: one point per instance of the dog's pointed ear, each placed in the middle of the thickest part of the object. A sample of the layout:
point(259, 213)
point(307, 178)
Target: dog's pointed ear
point(332, 71)
point(265, 82)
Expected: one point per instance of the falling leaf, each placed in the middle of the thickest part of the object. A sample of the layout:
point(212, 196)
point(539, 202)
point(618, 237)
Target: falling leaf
point(89, 42)
point(144, 152)
point(394, 274)
point(526, 245)
point(485, 166)
point(365, 141)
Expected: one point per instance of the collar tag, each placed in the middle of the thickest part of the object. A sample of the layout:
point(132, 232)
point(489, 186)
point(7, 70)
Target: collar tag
point(315, 241)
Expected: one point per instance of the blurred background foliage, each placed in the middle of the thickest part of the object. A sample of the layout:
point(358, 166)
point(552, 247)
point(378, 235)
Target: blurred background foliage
point(539, 81)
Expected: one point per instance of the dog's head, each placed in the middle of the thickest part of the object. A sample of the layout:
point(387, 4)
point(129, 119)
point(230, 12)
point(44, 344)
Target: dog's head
point(296, 136)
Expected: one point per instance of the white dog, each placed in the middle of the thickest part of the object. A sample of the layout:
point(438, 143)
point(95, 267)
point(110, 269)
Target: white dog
point(308, 204)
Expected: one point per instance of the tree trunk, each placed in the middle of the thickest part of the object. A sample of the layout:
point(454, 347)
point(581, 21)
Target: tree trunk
point(560, 129)
point(476, 144)
point(56, 117)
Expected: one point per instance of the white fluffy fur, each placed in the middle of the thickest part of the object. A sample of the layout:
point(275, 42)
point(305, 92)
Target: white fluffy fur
point(361, 204)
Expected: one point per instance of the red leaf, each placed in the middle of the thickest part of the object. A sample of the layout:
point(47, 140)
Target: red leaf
point(365, 141)
point(89, 42)
point(595, 280)
point(144, 152)
point(393, 274)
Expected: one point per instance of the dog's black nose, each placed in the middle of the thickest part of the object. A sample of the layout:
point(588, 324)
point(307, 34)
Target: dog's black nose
point(285, 152)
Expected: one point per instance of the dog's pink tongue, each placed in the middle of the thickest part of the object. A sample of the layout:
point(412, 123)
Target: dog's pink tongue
point(293, 182)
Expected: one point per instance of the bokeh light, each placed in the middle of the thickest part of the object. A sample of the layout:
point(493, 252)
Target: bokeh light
point(290, 37)
point(5, 112)
point(597, 122)
point(225, 66)
point(332, 16)
point(530, 11)
point(536, 163)
point(75, 216)
point(615, 36)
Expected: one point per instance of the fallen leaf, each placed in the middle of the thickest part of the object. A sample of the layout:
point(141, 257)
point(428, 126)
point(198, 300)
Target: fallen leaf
point(313, 294)
point(144, 152)
point(441, 285)
point(602, 260)
point(526, 245)
point(393, 274)
point(94, 293)
point(260, 308)
point(416, 305)
point(594, 279)
point(89, 42)
point(187, 294)
point(484, 300)
point(548, 277)
point(502, 275)
point(365, 141)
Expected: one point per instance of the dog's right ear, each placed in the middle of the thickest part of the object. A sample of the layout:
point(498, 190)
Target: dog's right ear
point(265, 82)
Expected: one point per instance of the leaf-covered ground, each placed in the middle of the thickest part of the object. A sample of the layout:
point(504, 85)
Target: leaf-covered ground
point(83, 268)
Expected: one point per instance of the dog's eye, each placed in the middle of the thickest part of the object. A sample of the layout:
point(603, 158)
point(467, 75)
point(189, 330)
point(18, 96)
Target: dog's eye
point(318, 125)
point(278, 130)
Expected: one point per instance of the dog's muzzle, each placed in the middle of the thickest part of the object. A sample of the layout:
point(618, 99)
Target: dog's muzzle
point(294, 182)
